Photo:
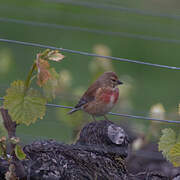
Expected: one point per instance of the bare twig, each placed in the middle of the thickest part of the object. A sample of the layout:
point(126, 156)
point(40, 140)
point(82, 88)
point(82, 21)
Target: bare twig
point(11, 129)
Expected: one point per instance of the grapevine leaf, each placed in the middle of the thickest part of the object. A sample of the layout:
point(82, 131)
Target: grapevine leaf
point(43, 71)
point(54, 55)
point(167, 141)
point(43, 66)
point(174, 155)
point(24, 107)
point(19, 152)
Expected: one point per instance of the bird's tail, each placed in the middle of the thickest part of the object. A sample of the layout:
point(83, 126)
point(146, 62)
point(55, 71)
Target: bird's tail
point(73, 110)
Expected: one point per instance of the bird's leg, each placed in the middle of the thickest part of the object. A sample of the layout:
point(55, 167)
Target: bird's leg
point(93, 117)
point(106, 118)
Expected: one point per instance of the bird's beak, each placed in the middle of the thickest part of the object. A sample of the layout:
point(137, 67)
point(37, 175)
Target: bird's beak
point(119, 82)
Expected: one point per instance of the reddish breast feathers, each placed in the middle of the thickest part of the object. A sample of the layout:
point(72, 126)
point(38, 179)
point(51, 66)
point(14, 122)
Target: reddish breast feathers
point(110, 96)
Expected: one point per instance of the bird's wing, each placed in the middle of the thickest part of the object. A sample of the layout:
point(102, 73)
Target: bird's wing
point(89, 95)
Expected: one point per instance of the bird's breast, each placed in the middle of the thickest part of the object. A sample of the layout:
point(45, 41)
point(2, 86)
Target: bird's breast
point(110, 96)
point(104, 101)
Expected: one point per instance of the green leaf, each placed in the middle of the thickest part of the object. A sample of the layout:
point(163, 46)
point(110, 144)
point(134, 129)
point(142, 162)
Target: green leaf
point(24, 107)
point(174, 155)
point(167, 141)
point(19, 152)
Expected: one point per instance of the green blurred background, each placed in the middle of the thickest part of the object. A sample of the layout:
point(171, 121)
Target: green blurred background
point(139, 30)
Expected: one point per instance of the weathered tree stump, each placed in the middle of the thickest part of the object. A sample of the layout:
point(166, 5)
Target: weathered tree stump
point(98, 154)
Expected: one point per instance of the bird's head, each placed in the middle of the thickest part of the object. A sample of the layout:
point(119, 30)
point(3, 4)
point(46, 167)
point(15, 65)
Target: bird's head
point(110, 79)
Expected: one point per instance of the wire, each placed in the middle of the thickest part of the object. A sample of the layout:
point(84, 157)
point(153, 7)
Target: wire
point(116, 8)
point(87, 54)
point(108, 57)
point(123, 115)
point(75, 28)
point(117, 114)
point(143, 117)
point(70, 97)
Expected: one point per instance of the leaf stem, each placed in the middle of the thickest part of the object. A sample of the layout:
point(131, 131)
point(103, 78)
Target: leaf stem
point(28, 80)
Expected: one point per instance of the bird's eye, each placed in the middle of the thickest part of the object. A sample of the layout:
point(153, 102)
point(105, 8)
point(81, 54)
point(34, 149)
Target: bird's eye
point(113, 80)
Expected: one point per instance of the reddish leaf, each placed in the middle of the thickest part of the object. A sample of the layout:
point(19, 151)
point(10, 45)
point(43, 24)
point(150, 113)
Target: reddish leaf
point(43, 71)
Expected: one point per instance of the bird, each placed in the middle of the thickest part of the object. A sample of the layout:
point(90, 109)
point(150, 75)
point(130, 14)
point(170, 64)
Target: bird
point(101, 96)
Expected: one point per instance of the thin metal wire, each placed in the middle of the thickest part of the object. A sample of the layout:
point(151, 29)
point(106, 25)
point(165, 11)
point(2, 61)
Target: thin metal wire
point(116, 8)
point(87, 54)
point(123, 115)
point(70, 97)
point(143, 117)
point(75, 28)
point(117, 114)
